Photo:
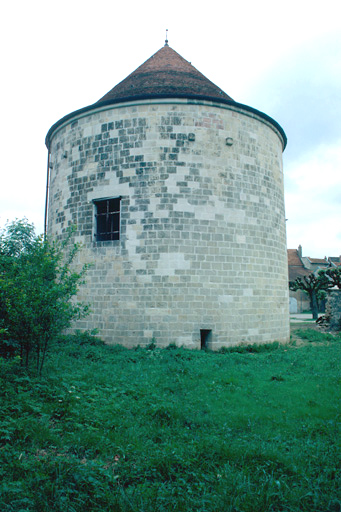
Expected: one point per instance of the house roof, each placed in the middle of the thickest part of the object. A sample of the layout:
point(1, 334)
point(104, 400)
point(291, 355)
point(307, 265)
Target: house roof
point(318, 261)
point(335, 259)
point(165, 74)
point(293, 258)
point(296, 266)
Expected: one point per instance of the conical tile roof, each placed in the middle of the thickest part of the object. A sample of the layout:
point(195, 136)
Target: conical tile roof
point(165, 75)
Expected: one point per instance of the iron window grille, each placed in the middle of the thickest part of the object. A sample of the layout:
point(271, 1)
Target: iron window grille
point(107, 215)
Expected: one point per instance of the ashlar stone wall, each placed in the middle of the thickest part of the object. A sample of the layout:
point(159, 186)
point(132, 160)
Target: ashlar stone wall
point(202, 248)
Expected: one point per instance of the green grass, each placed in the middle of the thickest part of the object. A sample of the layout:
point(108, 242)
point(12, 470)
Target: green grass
point(109, 429)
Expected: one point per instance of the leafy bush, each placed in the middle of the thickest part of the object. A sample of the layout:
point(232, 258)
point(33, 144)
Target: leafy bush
point(81, 338)
point(37, 288)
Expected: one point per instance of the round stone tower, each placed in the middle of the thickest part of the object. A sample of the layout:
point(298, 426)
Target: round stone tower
point(176, 192)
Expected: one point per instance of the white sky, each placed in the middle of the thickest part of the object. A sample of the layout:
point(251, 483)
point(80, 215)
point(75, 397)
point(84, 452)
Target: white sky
point(283, 58)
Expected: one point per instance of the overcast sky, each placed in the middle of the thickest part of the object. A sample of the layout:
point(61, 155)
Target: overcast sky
point(283, 58)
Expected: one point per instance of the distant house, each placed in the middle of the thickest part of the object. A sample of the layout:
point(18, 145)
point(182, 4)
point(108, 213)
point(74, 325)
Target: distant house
point(299, 301)
point(296, 265)
point(300, 266)
point(315, 264)
point(335, 261)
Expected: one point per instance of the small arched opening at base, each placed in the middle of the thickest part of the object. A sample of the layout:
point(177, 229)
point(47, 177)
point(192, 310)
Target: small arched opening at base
point(205, 338)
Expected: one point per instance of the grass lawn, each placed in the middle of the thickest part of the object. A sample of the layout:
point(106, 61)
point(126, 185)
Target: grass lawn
point(108, 429)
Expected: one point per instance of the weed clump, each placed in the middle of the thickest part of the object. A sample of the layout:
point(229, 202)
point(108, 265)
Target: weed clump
point(255, 348)
point(313, 336)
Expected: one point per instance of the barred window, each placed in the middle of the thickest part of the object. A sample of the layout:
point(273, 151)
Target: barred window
point(107, 215)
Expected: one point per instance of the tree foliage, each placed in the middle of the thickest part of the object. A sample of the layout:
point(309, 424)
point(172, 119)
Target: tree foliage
point(334, 275)
point(38, 284)
point(313, 285)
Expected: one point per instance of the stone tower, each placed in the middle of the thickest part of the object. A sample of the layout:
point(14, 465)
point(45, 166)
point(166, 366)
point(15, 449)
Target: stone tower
point(177, 194)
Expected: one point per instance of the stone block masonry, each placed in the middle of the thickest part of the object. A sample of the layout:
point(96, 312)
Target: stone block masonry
point(202, 244)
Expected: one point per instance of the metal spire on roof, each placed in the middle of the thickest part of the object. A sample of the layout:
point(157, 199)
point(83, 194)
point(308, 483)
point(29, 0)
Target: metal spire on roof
point(166, 41)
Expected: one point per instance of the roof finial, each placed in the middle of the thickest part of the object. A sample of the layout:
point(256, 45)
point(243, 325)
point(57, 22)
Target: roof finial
point(166, 41)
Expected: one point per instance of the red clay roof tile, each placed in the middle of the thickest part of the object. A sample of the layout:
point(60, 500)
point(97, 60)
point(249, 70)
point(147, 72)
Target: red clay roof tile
point(318, 260)
point(165, 74)
point(293, 258)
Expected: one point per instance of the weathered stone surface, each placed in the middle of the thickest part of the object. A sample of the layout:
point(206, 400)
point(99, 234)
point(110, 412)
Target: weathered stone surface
point(333, 309)
point(202, 236)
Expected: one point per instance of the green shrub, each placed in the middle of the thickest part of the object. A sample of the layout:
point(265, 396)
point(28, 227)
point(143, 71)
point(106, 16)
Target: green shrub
point(37, 287)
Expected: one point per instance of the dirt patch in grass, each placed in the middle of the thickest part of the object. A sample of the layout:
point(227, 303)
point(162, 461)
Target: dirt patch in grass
point(303, 334)
point(297, 328)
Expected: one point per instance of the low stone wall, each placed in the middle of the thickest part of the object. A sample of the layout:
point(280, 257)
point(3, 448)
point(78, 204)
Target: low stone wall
point(333, 309)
